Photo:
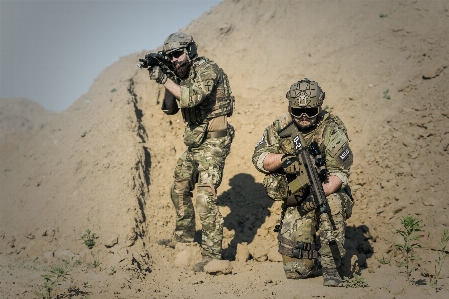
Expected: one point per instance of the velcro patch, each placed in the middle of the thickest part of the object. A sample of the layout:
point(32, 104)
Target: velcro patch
point(345, 154)
point(345, 157)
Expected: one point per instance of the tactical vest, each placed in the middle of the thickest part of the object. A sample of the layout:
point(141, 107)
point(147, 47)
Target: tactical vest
point(315, 134)
point(276, 183)
point(220, 100)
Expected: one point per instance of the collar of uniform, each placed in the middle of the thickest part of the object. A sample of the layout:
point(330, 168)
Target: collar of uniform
point(195, 64)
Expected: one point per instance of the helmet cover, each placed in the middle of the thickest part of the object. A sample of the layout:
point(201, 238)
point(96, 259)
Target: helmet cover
point(177, 41)
point(305, 94)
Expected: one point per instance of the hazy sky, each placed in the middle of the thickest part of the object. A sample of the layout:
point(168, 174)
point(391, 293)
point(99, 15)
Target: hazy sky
point(51, 51)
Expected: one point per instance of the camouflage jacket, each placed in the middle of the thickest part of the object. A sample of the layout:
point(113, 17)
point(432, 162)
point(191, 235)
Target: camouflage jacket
point(330, 133)
point(205, 93)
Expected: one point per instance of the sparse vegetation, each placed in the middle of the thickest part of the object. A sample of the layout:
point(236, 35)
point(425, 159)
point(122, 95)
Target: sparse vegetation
point(52, 280)
point(386, 95)
point(76, 263)
point(411, 225)
point(89, 239)
point(354, 282)
point(93, 264)
point(441, 257)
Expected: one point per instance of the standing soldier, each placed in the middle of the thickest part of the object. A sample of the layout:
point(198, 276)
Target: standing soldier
point(275, 155)
point(201, 90)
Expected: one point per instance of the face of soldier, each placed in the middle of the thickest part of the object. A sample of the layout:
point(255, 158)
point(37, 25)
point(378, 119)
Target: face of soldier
point(180, 63)
point(306, 117)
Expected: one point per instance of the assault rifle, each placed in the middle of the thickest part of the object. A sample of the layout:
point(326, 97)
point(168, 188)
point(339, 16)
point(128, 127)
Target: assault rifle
point(158, 59)
point(312, 169)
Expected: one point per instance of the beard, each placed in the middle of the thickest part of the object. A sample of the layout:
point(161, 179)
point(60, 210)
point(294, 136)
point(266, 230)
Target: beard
point(182, 68)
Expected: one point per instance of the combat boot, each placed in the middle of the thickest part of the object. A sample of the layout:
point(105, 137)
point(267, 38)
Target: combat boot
point(199, 267)
point(331, 278)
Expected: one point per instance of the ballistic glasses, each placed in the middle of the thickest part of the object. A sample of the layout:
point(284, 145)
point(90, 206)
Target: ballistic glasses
point(175, 54)
point(309, 112)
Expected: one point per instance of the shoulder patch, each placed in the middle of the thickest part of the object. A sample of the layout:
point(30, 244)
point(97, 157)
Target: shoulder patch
point(345, 156)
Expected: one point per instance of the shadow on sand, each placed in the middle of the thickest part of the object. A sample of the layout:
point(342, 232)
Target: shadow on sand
point(249, 207)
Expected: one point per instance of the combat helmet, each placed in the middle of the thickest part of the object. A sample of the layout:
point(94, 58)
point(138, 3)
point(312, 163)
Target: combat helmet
point(179, 41)
point(305, 94)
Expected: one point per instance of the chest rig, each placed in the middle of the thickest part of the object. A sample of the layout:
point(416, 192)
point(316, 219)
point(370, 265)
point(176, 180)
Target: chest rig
point(219, 101)
point(315, 134)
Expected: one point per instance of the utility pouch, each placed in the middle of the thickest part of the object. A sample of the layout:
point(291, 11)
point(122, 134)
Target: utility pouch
point(194, 135)
point(276, 186)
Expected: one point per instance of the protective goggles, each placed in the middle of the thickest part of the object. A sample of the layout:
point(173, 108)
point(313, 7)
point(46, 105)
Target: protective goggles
point(309, 112)
point(175, 54)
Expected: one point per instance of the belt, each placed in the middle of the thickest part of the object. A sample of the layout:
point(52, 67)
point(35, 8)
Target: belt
point(217, 134)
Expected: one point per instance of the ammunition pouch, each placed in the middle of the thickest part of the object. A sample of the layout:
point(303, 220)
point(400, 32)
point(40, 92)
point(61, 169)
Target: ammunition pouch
point(194, 135)
point(192, 115)
point(299, 250)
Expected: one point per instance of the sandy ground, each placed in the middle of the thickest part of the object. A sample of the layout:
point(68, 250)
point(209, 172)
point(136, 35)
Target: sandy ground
point(106, 163)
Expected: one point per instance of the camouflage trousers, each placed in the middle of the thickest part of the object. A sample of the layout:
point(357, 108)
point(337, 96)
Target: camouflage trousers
point(331, 230)
point(201, 166)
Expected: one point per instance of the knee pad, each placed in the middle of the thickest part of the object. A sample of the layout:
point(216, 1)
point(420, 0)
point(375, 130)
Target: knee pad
point(204, 192)
point(299, 268)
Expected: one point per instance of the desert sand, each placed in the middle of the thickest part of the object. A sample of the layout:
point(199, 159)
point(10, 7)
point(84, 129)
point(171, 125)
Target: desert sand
point(106, 163)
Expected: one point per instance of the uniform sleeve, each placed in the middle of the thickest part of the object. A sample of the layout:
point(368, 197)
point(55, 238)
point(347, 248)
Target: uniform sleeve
point(202, 86)
point(338, 153)
point(269, 143)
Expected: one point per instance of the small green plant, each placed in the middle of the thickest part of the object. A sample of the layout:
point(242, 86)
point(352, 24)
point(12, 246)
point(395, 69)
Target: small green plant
point(94, 264)
point(113, 271)
point(441, 257)
point(382, 15)
point(411, 226)
point(89, 239)
point(354, 282)
point(386, 95)
point(76, 263)
point(57, 274)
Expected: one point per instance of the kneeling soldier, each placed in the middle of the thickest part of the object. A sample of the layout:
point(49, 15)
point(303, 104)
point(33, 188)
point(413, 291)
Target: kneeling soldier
point(276, 155)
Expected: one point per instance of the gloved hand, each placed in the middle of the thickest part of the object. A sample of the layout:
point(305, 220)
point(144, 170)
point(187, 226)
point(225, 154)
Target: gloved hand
point(290, 163)
point(158, 75)
point(307, 205)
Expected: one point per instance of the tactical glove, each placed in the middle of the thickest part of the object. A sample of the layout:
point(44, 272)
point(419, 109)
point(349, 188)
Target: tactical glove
point(158, 75)
point(307, 205)
point(290, 163)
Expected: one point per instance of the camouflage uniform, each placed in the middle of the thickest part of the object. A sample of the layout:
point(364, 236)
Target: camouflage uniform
point(205, 97)
point(331, 136)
